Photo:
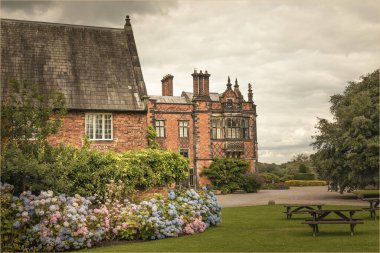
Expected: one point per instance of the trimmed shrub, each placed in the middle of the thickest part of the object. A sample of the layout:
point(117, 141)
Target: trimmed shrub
point(287, 177)
point(252, 183)
point(366, 193)
point(306, 183)
point(304, 176)
point(270, 177)
point(276, 186)
point(226, 174)
point(86, 172)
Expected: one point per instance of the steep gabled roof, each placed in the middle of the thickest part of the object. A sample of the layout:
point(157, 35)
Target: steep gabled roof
point(96, 68)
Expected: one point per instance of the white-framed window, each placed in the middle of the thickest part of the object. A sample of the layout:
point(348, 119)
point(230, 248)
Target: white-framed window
point(160, 128)
point(99, 126)
point(183, 127)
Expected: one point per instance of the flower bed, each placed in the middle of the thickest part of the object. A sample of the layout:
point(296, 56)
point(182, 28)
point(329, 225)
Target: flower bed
point(50, 222)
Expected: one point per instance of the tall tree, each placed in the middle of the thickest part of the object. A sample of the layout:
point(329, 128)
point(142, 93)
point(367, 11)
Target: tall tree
point(348, 147)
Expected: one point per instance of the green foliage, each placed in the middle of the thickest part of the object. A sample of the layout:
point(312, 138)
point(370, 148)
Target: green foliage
point(271, 168)
point(304, 176)
point(348, 148)
point(153, 167)
point(252, 183)
point(227, 174)
point(28, 112)
point(276, 186)
point(270, 177)
point(367, 193)
point(287, 177)
point(151, 135)
point(86, 172)
point(306, 183)
point(302, 168)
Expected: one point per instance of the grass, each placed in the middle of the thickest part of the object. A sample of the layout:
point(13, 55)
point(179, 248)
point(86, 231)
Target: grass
point(264, 229)
point(367, 193)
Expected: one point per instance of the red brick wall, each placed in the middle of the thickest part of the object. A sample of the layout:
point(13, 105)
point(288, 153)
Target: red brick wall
point(171, 114)
point(129, 132)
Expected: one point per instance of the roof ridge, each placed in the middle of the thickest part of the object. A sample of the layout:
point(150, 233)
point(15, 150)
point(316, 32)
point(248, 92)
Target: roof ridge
point(61, 24)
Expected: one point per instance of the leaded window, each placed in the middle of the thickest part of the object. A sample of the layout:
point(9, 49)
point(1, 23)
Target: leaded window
point(216, 129)
point(244, 128)
point(233, 128)
point(160, 128)
point(98, 126)
point(191, 177)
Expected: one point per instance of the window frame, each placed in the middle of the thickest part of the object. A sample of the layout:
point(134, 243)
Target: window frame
point(192, 179)
point(184, 129)
point(216, 129)
point(95, 127)
point(233, 130)
point(158, 128)
point(184, 150)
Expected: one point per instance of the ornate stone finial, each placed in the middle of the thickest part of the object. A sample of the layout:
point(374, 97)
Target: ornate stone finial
point(229, 83)
point(250, 94)
point(236, 83)
point(127, 20)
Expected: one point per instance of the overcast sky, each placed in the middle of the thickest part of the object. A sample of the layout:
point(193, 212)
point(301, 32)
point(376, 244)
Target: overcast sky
point(295, 53)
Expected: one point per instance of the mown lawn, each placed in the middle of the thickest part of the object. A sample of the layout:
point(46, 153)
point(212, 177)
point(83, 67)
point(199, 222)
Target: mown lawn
point(264, 229)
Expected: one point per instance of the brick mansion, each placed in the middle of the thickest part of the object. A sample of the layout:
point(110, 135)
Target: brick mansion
point(98, 71)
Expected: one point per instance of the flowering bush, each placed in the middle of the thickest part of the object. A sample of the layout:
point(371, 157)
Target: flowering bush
point(50, 222)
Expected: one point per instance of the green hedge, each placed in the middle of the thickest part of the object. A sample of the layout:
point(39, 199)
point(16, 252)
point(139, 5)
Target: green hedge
point(304, 176)
point(306, 183)
point(270, 177)
point(86, 172)
point(367, 193)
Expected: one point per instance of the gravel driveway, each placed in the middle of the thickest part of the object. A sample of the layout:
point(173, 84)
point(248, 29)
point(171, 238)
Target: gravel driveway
point(295, 195)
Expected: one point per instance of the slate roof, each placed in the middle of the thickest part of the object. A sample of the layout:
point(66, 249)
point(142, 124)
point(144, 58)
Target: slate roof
point(189, 96)
point(170, 99)
point(96, 68)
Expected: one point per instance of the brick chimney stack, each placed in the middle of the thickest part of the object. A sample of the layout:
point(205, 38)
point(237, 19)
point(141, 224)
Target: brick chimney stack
point(167, 85)
point(201, 83)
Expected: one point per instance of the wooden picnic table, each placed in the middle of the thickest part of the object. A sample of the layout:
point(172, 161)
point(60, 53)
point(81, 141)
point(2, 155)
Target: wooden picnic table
point(345, 216)
point(373, 206)
point(300, 209)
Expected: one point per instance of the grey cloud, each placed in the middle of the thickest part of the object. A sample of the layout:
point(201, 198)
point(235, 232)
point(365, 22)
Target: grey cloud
point(26, 6)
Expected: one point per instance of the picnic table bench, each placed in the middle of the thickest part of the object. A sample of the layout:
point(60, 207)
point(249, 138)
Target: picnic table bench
point(373, 206)
point(345, 216)
point(300, 209)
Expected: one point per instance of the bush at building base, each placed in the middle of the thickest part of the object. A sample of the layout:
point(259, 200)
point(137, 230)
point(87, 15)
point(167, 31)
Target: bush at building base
point(50, 222)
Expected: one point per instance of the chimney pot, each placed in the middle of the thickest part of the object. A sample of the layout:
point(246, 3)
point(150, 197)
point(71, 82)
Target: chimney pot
point(167, 85)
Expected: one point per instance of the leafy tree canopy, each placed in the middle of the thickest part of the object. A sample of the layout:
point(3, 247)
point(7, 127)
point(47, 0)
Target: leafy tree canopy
point(348, 147)
point(30, 113)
